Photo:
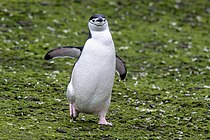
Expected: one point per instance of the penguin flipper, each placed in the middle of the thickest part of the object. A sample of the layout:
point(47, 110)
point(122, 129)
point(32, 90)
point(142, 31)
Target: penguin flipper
point(67, 51)
point(74, 52)
point(121, 68)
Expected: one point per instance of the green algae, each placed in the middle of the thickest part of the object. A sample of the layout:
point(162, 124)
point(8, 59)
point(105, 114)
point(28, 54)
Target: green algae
point(166, 49)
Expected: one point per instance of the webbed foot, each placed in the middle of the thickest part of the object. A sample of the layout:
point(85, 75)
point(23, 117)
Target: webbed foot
point(73, 112)
point(102, 121)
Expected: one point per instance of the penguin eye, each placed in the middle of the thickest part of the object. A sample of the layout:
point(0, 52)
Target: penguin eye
point(93, 20)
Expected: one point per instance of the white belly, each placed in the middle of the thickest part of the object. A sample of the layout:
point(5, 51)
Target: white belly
point(92, 79)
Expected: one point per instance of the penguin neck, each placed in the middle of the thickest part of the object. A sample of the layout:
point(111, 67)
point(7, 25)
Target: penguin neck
point(103, 36)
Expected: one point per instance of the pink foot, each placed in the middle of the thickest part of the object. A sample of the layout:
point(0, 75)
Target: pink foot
point(73, 112)
point(102, 121)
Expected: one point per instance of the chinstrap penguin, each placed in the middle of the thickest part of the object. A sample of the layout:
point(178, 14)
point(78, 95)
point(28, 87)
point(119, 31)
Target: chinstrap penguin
point(92, 79)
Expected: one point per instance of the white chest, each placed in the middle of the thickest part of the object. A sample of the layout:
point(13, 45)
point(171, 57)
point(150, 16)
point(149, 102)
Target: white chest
point(93, 74)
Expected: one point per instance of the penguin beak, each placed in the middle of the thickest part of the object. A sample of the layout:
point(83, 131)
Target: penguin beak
point(99, 20)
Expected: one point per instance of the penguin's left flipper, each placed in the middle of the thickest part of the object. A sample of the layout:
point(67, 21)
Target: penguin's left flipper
point(74, 52)
point(67, 51)
point(121, 68)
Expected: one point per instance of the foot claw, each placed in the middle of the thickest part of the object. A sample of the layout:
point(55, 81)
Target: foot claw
point(107, 123)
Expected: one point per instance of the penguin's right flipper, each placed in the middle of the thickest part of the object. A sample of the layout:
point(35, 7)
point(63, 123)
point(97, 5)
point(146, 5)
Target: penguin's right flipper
point(67, 51)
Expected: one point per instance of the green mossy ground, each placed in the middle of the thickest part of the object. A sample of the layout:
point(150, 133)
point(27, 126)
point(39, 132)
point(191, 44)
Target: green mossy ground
point(166, 47)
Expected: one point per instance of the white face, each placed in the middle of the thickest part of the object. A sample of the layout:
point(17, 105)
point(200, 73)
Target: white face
point(98, 23)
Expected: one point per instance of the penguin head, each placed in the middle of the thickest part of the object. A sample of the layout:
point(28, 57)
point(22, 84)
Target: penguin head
point(98, 22)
